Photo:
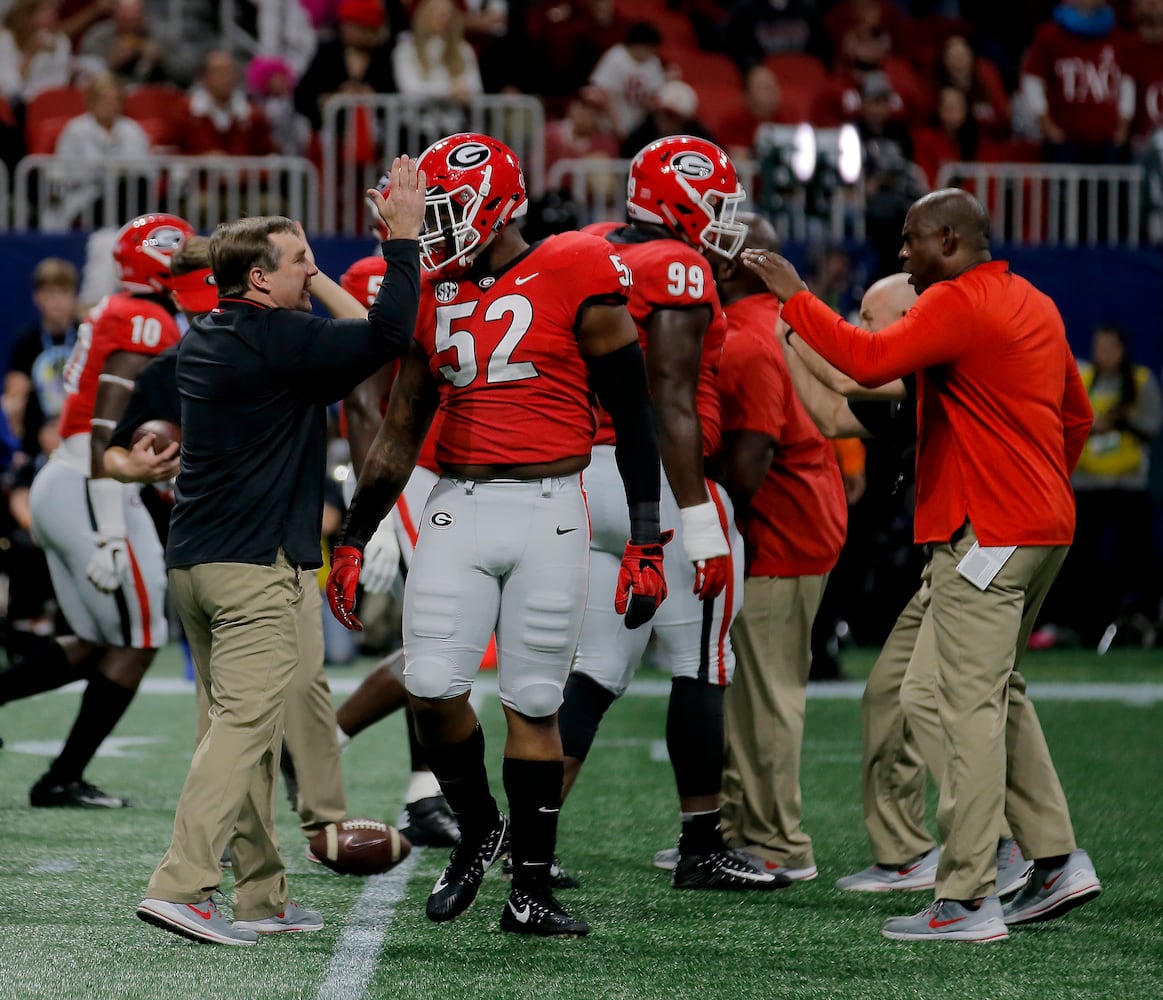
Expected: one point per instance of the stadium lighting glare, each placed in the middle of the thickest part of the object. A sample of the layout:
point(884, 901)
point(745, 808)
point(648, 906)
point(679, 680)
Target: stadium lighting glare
point(849, 160)
point(803, 153)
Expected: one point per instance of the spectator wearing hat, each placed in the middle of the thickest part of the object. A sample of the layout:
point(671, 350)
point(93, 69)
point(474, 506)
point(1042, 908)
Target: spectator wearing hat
point(358, 61)
point(675, 107)
point(270, 81)
point(222, 119)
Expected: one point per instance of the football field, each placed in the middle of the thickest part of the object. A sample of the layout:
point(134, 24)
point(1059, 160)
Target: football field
point(70, 879)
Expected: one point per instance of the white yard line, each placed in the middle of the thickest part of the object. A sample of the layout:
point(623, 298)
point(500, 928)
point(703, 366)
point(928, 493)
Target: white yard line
point(357, 953)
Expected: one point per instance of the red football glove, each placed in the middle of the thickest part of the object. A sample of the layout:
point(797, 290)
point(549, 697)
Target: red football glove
point(342, 583)
point(641, 582)
point(711, 577)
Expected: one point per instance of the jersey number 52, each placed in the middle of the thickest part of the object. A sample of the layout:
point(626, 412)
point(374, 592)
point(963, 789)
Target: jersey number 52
point(498, 367)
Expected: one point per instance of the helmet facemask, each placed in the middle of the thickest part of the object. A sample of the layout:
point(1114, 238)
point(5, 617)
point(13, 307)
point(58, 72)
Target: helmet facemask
point(449, 236)
point(722, 234)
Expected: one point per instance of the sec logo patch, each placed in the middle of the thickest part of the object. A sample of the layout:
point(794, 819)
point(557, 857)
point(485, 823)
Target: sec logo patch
point(446, 291)
point(441, 519)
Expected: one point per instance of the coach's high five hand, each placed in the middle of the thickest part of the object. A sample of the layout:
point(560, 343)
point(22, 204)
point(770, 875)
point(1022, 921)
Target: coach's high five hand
point(403, 209)
point(776, 271)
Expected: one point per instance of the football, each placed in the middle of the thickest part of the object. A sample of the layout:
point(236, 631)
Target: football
point(164, 432)
point(360, 846)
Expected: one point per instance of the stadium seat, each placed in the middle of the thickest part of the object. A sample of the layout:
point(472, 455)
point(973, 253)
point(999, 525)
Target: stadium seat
point(41, 136)
point(798, 69)
point(53, 103)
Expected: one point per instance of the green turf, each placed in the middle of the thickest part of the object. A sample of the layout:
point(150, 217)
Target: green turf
point(69, 879)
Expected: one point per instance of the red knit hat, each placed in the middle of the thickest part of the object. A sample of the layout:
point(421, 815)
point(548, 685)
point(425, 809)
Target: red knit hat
point(367, 13)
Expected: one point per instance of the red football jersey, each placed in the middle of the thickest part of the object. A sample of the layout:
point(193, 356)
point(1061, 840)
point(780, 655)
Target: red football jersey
point(669, 274)
point(117, 323)
point(514, 387)
point(1083, 77)
point(1144, 62)
point(796, 522)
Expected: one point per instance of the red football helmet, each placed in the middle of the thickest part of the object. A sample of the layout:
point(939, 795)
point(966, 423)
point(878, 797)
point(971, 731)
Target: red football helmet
point(689, 186)
point(143, 248)
point(475, 187)
point(363, 279)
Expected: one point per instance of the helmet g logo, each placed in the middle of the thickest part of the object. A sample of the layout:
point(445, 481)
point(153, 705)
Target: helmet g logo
point(471, 154)
point(693, 165)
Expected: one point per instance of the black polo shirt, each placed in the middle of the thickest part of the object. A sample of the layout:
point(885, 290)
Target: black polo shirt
point(255, 384)
point(155, 397)
point(892, 424)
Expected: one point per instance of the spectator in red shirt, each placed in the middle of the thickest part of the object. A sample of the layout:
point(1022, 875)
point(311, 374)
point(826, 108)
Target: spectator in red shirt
point(789, 501)
point(762, 103)
point(222, 119)
point(951, 138)
point(980, 82)
point(1002, 419)
point(566, 41)
point(1073, 81)
point(1142, 60)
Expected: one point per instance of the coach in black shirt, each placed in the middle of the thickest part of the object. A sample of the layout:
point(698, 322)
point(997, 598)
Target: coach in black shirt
point(255, 377)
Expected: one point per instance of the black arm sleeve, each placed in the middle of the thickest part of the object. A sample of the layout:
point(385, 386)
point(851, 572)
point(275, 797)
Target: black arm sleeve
point(619, 381)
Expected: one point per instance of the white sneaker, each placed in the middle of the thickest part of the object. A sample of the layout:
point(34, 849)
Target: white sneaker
point(290, 920)
point(197, 921)
point(920, 873)
point(805, 874)
point(1052, 892)
point(1013, 869)
point(949, 920)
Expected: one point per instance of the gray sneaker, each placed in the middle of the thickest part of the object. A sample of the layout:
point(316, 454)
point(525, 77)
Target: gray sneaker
point(196, 921)
point(920, 873)
point(290, 920)
point(948, 920)
point(666, 859)
point(1013, 869)
point(1052, 892)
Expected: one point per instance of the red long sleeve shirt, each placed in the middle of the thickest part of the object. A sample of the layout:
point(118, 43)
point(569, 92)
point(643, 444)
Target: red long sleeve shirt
point(1002, 415)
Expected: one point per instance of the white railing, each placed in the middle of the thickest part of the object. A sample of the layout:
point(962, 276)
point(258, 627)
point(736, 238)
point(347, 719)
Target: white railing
point(1047, 204)
point(598, 187)
point(56, 195)
point(390, 124)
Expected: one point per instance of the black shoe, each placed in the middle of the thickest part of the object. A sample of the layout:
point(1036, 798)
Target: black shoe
point(429, 823)
point(559, 878)
point(456, 889)
point(48, 793)
point(540, 914)
point(724, 870)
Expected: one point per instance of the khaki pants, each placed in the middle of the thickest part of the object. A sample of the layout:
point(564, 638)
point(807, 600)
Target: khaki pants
point(764, 718)
point(309, 725)
point(993, 740)
point(242, 622)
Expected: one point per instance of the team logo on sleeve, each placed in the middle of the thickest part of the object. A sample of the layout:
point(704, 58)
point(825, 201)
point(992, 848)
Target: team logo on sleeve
point(446, 291)
point(694, 165)
point(487, 281)
point(441, 519)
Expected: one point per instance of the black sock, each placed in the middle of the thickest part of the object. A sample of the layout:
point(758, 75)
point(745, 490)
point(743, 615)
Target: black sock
point(534, 790)
point(1047, 864)
point(460, 769)
point(700, 833)
point(584, 704)
point(694, 736)
point(418, 759)
point(102, 706)
point(44, 670)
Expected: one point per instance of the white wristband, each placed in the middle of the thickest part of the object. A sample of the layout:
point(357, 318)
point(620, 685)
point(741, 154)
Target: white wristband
point(107, 499)
point(702, 535)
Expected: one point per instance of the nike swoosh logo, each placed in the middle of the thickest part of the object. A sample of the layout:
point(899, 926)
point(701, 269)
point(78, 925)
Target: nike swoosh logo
point(522, 915)
point(909, 870)
point(542, 809)
point(524, 278)
point(204, 914)
point(440, 884)
point(936, 924)
point(1050, 883)
point(564, 531)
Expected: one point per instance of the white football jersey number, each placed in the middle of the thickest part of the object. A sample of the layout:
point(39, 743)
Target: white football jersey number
point(680, 278)
point(498, 368)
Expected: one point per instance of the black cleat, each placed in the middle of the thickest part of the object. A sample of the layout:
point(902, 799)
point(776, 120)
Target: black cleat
point(456, 889)
point(724, 869)
point(559, 878)
point(539, 913)
point(429, 823)
point(48, 793)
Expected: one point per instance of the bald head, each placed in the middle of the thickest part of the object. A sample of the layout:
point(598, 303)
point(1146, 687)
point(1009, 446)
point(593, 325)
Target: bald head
point(959, 211)
point(761, 234)
point(735, 281)
point(886, 302)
